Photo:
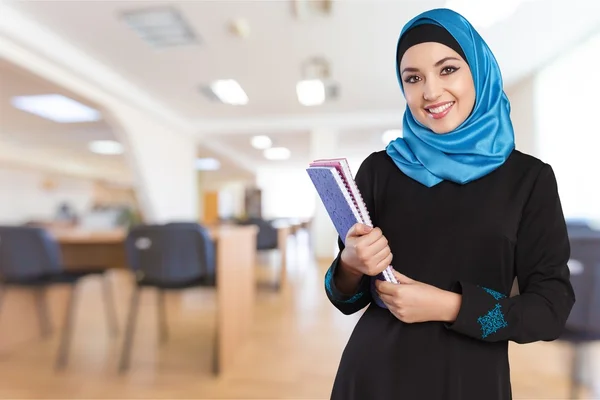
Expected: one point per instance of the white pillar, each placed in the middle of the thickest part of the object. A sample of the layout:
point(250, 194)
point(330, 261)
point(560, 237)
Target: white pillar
point(323, 144)
point(522, 100)
point(162, 160)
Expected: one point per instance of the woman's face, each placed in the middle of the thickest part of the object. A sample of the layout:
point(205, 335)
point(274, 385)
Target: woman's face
point(438, 86)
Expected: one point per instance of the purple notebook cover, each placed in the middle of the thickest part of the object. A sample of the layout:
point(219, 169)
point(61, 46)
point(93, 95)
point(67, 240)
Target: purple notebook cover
point(339, 210)
point(333, 199)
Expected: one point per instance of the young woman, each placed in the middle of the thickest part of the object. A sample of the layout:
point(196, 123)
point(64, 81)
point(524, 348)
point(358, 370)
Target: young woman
point(464, 214)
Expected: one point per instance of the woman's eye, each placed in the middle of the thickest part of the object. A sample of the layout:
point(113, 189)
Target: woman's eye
point(411, 79)
point(448, 70)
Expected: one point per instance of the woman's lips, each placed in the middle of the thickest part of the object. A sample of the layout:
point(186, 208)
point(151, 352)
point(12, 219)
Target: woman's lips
point(440, 110)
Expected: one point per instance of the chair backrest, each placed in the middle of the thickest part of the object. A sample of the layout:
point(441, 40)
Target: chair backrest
point(27, 253)
point(171, 253)
point(585, 278)
point(266, 238)
point(578, 225)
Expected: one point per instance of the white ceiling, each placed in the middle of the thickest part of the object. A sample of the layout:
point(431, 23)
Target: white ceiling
point(24, 128)
point(358, 38)
point(351, 142)
point(64, 147)
point(66, 144)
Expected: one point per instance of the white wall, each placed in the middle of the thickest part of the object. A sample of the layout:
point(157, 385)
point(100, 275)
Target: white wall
point(231, 199)
point(24, 198)
point(63, 163)
point(568, 136)
point(286, 192)
point(522, 97)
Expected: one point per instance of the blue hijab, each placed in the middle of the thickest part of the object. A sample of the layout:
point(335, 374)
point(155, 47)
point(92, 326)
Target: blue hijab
point(482, 142)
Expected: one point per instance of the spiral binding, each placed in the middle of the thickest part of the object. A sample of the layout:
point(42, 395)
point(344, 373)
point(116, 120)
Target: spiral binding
point(343, 169)
point(341, 164)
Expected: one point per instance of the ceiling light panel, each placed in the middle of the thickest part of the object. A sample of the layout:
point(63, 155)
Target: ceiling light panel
point(106, 147)
point(310, 92)
point(160, 27)
point(261, 142)
point(229, 91)
point(207, 164)
point(277, 153)
point(57, 108)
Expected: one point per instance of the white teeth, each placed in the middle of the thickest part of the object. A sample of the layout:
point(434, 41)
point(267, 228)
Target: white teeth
point(440, 109)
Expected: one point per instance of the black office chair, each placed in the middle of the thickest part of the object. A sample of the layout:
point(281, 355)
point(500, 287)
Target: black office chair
point(266, 238)
point(583, 324)
point(167, 257)
point(209, 270)
point(30, 257)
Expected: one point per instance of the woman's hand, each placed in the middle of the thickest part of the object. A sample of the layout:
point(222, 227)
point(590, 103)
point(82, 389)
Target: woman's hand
point(366, 251)
point(411, 301)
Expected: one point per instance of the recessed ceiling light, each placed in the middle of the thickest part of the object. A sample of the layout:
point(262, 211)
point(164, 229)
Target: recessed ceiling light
point(261, 142)
point(229, 91)
point(277, 153)
point(56, 107)
point(390, 135)
point(160, 26)
point(106, 147)
point(240, 27)
point(207, 164)
point(310, 92)
point(305, 8)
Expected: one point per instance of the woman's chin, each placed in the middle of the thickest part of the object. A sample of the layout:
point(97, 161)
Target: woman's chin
point(440, 128)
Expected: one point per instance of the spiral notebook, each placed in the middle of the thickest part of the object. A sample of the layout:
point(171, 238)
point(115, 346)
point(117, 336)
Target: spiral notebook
point(342, 199)
point(341, 164)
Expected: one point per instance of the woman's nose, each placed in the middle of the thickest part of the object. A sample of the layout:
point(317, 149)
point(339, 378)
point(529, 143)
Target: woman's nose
point(432, 89)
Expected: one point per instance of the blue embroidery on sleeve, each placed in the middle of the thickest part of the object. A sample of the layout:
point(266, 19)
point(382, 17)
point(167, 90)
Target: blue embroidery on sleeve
point(328, 279)
point(492, 321)
point(494, 294)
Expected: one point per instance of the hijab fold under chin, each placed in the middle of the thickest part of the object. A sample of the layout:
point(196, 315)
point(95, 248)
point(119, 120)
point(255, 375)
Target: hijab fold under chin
point(482, 142)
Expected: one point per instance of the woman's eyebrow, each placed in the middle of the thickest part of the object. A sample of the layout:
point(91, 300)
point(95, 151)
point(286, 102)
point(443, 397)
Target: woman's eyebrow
point(437, 64)
point(443, 60)
point(410, 69)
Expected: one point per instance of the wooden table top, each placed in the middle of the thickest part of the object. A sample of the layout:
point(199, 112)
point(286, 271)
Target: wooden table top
point(116, 236)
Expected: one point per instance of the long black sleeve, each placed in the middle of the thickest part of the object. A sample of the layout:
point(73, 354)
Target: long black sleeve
point(546, 296)
point(349, 304)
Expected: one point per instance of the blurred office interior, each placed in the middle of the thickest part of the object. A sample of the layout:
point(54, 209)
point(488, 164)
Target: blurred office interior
point(130, 127)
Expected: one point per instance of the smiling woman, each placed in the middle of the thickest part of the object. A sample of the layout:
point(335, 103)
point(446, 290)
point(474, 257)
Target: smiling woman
point(461, 214)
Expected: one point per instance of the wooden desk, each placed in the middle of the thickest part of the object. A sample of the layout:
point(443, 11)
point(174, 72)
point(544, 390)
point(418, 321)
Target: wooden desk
point(236, 290)
point(236, 283)
point(283, 232)
point(82, 249)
